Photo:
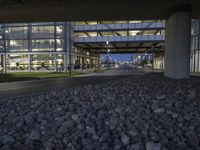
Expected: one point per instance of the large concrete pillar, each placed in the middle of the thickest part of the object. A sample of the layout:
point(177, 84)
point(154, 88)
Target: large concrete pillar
point(178, 45)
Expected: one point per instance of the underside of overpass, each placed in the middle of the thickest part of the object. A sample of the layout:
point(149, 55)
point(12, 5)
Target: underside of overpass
point(81, 10)
point(178, 15)
point(119, 46)
point(134, 110)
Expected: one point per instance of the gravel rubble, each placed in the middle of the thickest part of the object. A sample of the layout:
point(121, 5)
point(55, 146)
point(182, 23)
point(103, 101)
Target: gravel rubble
point(144, 112)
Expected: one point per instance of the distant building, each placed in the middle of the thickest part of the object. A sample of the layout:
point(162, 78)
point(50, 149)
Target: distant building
point(142, 59)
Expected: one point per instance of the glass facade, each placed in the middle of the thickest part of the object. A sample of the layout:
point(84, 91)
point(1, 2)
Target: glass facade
point(195, 52)
point(39, 47)
point(34, 37)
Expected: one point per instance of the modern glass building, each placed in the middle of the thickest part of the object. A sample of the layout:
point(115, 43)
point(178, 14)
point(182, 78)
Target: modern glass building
point(195, 47)
point(42, 47)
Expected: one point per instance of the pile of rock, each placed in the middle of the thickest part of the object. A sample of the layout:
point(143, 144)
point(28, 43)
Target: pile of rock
point(147, 112)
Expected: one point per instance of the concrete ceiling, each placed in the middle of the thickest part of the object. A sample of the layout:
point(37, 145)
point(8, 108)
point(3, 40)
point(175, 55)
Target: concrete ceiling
point(89, 10)
point(123, 47)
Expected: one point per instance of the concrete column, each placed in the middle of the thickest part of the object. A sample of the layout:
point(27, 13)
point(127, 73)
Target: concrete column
point(29, 62)
point(178, 44)
point(69, 44)
point(55, 36)
point(1, 62)
point(29, 35)
point(81, 63)
point(55, 63)
point(29, 46)
point(66, 62)
point(72, 62)
point(5, 63)
point(92, 63)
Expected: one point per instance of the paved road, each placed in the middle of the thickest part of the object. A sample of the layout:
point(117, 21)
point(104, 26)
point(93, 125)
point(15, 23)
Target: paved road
point(116, 72)
point(15, 89)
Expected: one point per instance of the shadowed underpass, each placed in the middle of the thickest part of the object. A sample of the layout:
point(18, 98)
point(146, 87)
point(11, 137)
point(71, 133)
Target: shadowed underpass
point(125, 108)
point(38, 86)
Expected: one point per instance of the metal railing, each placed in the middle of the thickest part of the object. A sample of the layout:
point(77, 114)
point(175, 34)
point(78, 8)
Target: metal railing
point(104, 39)
point(122, 26)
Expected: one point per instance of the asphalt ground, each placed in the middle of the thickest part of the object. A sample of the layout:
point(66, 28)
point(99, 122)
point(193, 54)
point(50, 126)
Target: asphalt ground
point(25, 88)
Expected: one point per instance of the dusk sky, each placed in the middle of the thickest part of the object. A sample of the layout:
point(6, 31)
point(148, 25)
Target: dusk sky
point(119, 57)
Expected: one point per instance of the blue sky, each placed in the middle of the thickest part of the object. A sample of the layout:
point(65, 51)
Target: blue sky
point(119, 57)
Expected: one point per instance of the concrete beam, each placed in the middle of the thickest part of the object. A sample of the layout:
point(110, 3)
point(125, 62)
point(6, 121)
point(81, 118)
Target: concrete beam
point(93, 10)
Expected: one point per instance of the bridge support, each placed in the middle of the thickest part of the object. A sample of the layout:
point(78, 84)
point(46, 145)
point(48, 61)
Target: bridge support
point(178, 45)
